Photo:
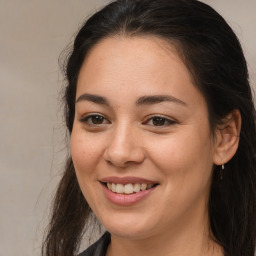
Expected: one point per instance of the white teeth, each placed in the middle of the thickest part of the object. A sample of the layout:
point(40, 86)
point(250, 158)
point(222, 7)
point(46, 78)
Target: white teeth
point(128, 188)
point(136, 187)
point(109, 185)
point(119, 188)
point(143, 186)
point(113, 187)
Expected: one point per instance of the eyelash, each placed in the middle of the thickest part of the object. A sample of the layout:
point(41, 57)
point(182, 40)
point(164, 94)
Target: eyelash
point(88, 120)
point(85, 119)
point(167, 121)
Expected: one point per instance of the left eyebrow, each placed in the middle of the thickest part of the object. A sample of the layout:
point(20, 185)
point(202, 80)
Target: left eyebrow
point(154, 99)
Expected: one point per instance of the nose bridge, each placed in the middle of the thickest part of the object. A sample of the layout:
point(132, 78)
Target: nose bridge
point(124, 145)
point(120, 134)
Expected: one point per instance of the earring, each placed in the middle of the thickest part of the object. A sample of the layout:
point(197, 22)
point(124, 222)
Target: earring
point(221, 172)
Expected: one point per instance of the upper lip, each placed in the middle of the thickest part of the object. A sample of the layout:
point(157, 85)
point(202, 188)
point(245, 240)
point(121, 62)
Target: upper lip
point(127, 180)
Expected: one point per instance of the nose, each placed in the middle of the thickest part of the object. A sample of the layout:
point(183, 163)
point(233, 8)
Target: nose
point(124, 147)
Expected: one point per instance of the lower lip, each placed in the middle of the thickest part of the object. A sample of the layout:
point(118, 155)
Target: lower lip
point(126, 199)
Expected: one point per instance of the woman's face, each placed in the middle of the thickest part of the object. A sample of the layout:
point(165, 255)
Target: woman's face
point(141, 142)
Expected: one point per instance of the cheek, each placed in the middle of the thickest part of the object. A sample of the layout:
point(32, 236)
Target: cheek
point(185, 166)
point(85, 152)
point(183, 156)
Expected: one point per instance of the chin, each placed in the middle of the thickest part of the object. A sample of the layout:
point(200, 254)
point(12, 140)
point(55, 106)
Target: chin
point(129, 233)
point(129, 228)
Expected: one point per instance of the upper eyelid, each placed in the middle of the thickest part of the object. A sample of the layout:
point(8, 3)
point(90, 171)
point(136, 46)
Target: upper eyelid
point(84, 116)
point(148, 118)
point(161, 116)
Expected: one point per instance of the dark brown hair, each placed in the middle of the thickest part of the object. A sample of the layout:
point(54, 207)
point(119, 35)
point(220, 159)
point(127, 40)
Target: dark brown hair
point(213, 55)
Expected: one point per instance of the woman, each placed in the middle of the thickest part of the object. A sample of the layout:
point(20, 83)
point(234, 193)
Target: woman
point(162, 135)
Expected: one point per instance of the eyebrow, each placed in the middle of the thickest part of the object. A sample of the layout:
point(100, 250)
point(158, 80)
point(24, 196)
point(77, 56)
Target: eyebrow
point(144, 100)
point(154, 99)
point(93, 98)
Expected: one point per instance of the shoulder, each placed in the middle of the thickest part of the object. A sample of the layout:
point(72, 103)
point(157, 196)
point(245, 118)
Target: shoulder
point(99, 248)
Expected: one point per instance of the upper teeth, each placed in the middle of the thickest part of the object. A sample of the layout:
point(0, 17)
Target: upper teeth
point(128, 188)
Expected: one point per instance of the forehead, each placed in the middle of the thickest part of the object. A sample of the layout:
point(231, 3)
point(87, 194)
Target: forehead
point(135, 65)
point(144, 51)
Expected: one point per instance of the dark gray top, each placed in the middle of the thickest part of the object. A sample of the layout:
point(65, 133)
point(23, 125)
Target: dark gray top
point(99, 248)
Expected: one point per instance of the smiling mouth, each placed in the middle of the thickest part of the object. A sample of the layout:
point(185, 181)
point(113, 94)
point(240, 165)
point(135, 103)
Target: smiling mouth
point(128, 188)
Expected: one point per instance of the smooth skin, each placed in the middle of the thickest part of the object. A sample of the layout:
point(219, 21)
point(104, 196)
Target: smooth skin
point(168, 141)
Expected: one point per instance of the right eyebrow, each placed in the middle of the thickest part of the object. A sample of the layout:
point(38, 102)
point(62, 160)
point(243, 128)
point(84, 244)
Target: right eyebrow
point(93, 98)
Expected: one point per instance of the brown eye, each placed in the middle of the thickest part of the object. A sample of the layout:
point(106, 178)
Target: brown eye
point(159, 121)
point(94, 120)
point(97, 119)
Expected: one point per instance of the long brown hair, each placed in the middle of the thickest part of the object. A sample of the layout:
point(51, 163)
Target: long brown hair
point(213, 54)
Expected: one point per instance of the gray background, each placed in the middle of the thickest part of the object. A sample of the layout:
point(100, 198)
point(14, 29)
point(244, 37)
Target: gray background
point(32, 138)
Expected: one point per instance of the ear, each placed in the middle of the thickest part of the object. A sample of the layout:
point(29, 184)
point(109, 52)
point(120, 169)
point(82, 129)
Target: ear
point(227, 138)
